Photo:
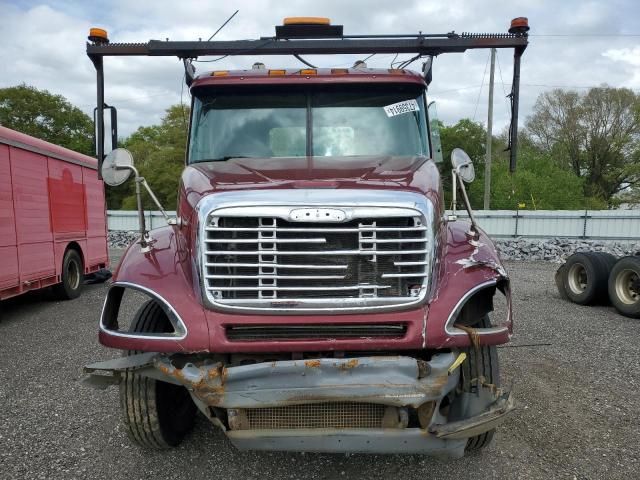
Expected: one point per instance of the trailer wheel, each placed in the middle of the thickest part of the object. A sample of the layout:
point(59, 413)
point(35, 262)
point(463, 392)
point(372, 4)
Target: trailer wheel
point(157, 415)
point(486, 361)
point(72, 276)
point(559, 279)
point(585, 277)
point(624, 286)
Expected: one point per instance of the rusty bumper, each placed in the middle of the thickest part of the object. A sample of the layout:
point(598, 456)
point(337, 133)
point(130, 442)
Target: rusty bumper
point(388, 380)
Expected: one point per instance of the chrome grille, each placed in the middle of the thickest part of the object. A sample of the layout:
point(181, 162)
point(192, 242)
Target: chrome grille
point(260, 255)
point(317, 415)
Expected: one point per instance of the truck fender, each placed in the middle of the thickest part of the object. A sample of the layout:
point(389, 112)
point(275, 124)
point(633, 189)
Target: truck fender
point(166, 274)
point(469, 273)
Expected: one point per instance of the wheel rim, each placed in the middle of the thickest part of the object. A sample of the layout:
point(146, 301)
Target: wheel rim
point(628, 287)
point(577, 278)
point(73, 273)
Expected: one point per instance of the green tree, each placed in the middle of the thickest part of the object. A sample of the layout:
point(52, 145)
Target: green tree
point(471, 137)
point(158, 152)
point(539, 183)
point(596, 135)
point(46, 116)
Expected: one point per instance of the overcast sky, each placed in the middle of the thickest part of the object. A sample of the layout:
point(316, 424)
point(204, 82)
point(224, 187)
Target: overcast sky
point(574, 44)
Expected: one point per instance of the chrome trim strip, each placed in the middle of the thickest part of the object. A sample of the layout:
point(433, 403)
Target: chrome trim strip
point(278, 277)
point(280, 265)
point(319, 252)
point(334, 230)
point(155, 296)
point(356, 204)
point(453, 331)
point(272, 288)
point(266, 240)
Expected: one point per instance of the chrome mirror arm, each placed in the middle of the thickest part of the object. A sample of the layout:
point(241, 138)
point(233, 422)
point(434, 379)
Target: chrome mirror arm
point(473, 231)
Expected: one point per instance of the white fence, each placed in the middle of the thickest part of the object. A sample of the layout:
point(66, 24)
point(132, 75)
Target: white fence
point(586, 224)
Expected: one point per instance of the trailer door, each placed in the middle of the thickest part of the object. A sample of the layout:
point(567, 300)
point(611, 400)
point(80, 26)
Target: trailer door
point(8, 249)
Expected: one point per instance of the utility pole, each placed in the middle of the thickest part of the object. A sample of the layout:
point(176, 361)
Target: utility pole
point(487, 161)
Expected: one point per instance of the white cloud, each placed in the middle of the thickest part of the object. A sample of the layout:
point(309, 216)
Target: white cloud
point(630, 60)
point(44, 45)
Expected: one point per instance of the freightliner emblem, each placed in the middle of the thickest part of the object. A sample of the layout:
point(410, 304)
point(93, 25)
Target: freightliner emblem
point(317, 215)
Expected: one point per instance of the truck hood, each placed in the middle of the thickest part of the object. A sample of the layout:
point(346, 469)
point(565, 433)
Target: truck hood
point(402, 173)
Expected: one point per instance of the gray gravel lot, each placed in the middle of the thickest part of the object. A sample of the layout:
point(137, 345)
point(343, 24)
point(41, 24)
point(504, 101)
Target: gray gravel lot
point(577, 417)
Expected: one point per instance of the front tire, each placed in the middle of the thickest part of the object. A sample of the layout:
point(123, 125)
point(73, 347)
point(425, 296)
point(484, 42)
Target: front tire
point(157, 415)
point(480, 363)
point(72, 277)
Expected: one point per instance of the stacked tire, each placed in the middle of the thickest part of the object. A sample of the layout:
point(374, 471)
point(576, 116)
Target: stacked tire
point(598, 278)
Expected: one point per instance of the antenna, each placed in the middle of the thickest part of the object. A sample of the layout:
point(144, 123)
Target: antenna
point(223, 25)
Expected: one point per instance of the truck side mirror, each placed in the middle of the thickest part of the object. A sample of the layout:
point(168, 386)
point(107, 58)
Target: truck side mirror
point(434, 130)
point(117, 167)
point(462, 165)
point(110, 132)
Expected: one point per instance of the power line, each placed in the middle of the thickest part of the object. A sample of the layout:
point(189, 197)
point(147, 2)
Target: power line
point(584, 35)
point(506, 101)
point(481, 85)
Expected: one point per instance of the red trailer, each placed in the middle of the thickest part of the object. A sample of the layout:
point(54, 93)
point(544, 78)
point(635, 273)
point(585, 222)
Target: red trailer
point(52, 217)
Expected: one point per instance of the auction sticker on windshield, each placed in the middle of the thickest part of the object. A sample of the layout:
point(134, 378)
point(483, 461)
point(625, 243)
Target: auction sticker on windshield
point(401, 107)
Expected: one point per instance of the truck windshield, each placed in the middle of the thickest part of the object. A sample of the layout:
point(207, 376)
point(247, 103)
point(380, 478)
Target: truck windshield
point(351, 120)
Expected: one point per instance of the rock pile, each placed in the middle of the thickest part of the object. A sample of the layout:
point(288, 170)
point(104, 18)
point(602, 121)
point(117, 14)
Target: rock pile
point(554, 250)
point(121, 239)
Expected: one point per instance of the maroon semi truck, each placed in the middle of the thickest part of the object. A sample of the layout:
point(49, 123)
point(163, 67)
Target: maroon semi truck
point(311, 293)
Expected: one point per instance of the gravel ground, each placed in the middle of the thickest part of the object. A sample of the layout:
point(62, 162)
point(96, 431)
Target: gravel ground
point(577, 417)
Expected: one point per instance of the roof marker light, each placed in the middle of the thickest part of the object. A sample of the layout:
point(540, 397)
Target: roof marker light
point(308, 71)
point(277, 72)
point(339, 71)
point(519, 26)
point(220, 73)
point(98, 35)
point(306, 21)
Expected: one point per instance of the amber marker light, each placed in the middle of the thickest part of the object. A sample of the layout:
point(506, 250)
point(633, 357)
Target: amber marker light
point(306, 21)
point(98, 35)
point(519, 25)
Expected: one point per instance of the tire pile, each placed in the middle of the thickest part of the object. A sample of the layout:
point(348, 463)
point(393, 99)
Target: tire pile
point(599, 278)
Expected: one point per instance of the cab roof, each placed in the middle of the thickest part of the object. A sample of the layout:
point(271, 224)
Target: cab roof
point(271, 76)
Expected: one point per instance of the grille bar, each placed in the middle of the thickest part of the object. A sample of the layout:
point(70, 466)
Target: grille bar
point(279, 265)
point(280, 277)
point(312, 229)
point(319, 252)
point(297, 332)
point(267, 240)
point(403, 275)
point(298, 288)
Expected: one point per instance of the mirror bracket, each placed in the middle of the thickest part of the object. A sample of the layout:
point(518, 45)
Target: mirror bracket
point(473, 232)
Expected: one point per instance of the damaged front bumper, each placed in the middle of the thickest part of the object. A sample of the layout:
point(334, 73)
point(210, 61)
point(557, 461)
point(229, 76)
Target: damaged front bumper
point(408, 389)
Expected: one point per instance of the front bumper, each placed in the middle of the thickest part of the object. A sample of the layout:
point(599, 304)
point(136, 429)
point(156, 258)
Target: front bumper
point(387, 380)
